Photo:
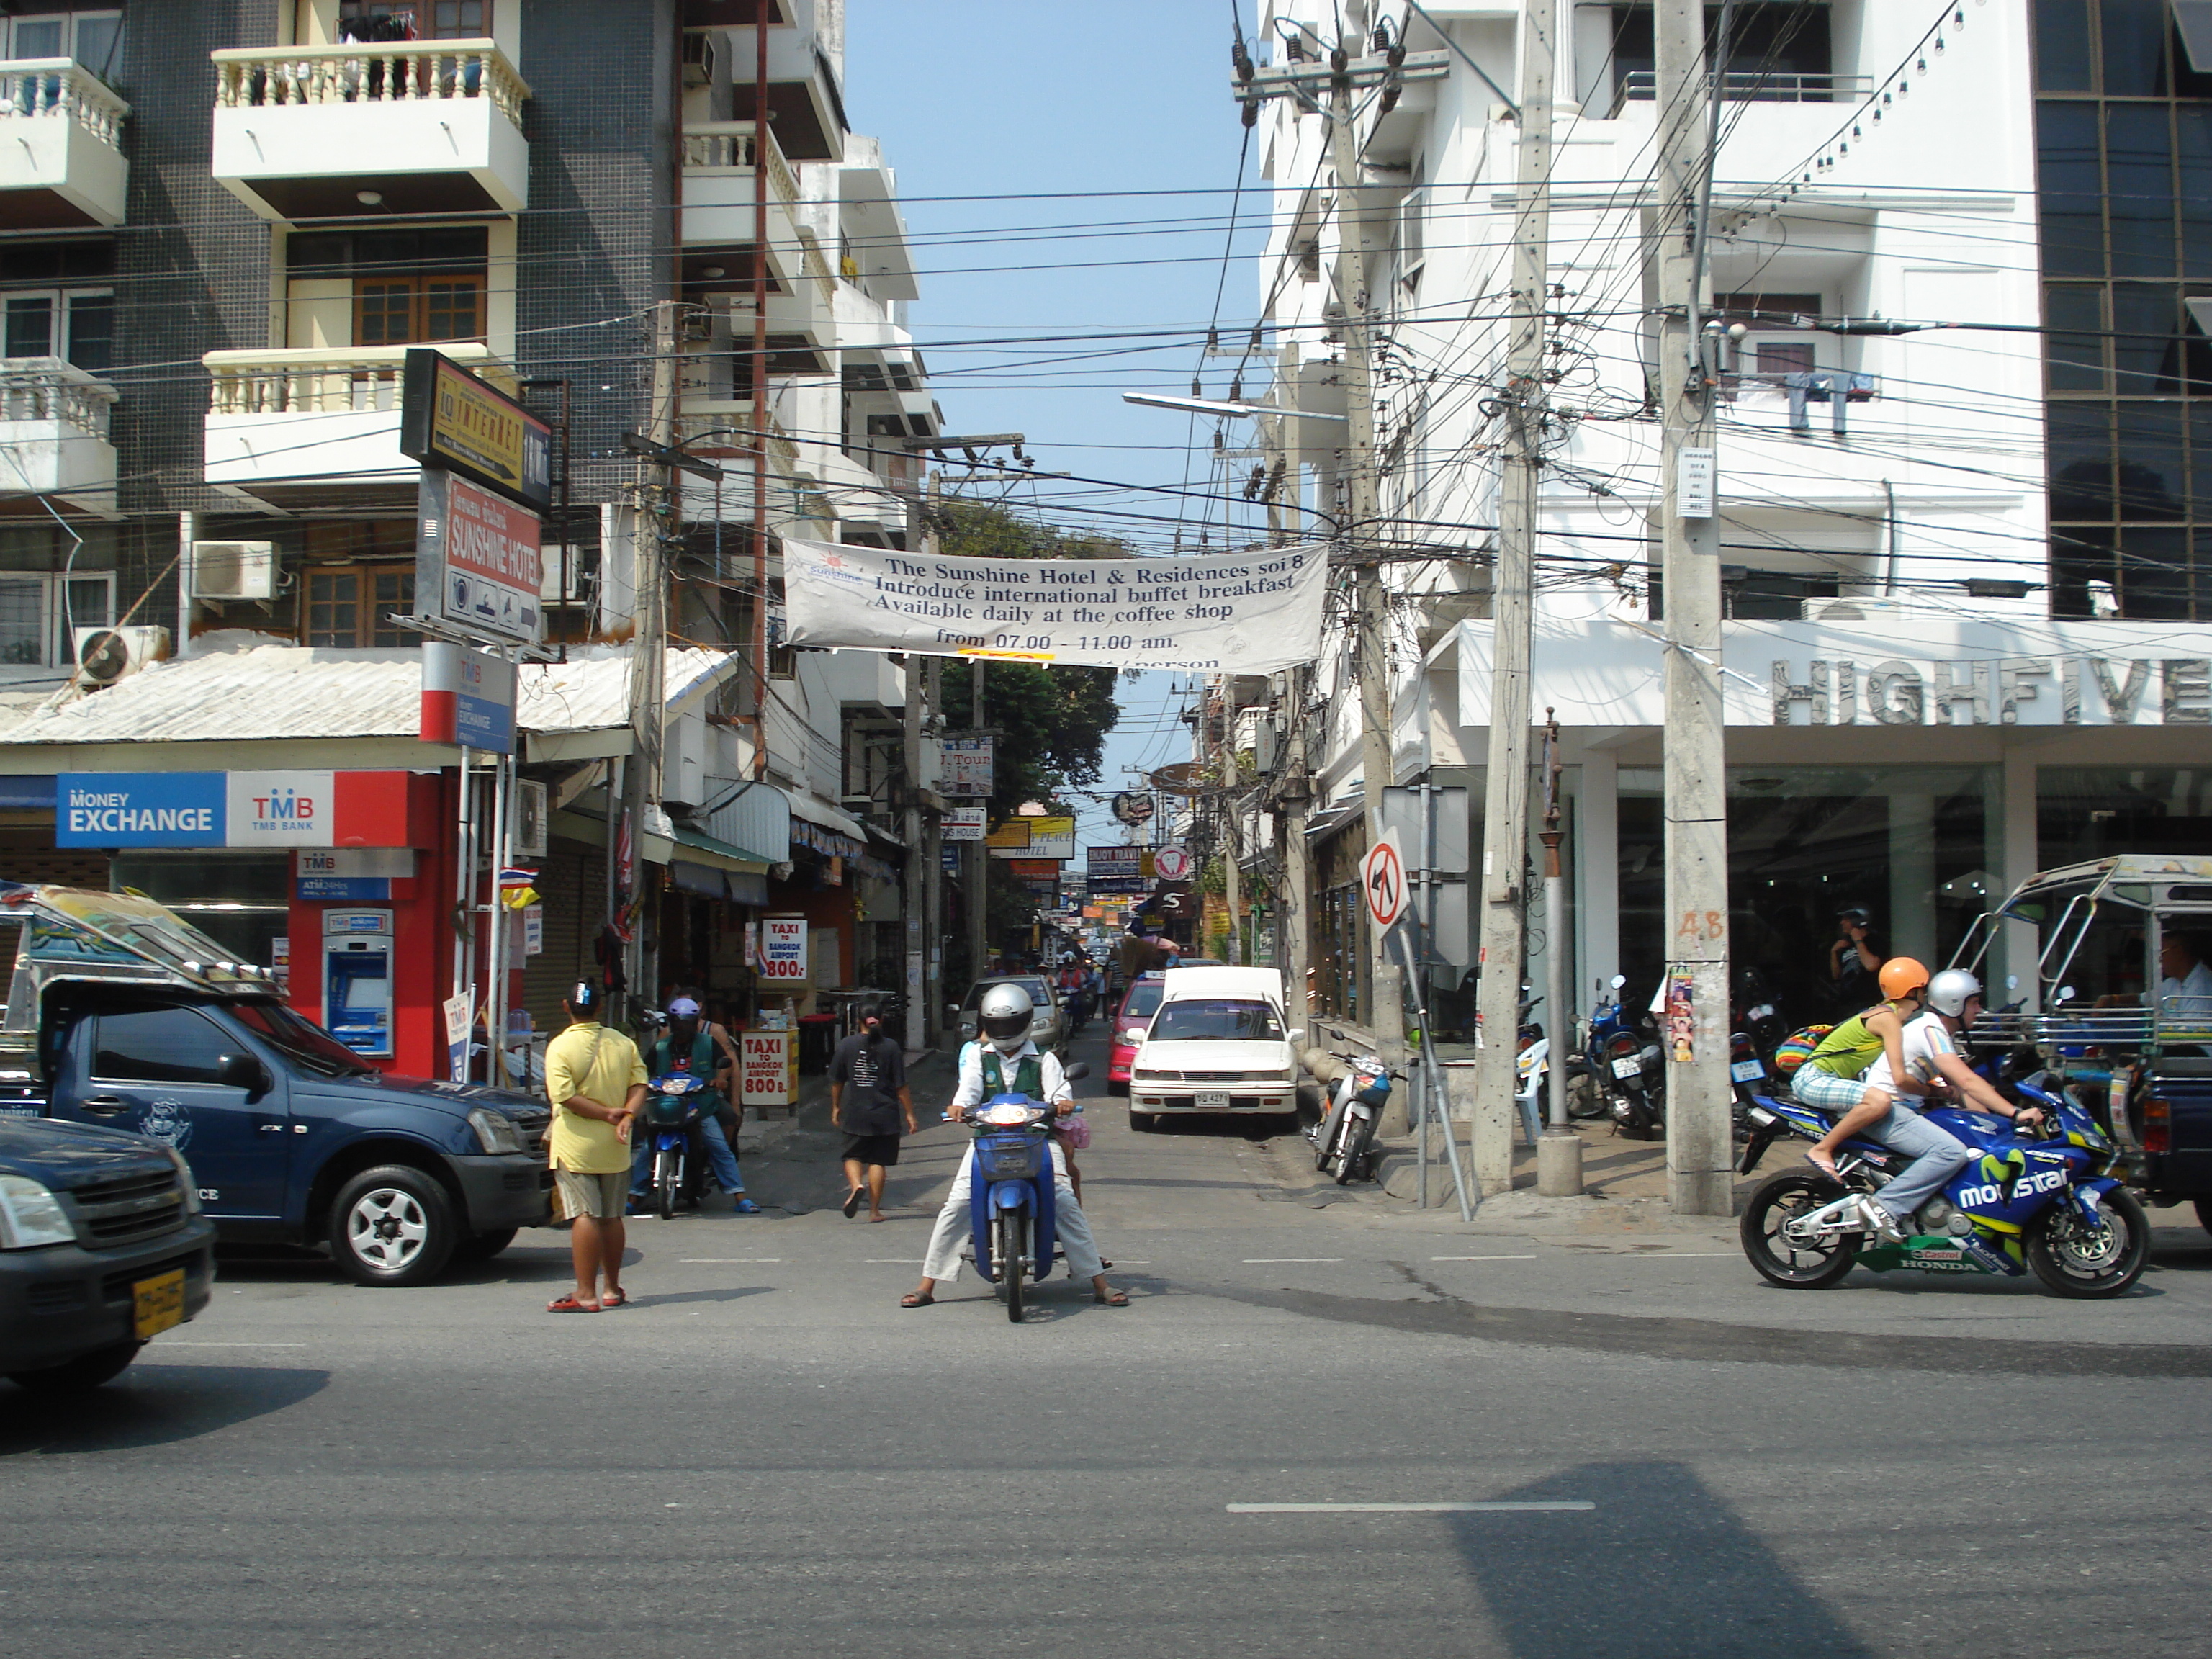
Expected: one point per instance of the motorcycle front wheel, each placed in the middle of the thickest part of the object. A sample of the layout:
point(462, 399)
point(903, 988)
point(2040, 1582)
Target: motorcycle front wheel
point(667, 1184)
point(1795, 1266)
point(2074, 1259)
point(1352, 1147)
point(1010, 1247)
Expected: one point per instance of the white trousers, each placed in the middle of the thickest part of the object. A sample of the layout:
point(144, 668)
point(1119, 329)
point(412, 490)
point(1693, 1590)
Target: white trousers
point(942, 1261)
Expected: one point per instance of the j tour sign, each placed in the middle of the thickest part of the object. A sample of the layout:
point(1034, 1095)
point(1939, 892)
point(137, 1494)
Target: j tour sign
point(1921, 671)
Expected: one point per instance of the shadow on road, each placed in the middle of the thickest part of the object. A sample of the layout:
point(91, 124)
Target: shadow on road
point(150, 1405)
point(1663, 1568)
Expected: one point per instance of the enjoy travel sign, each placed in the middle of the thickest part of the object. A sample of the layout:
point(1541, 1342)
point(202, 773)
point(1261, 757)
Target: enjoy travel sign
point(1245, 613)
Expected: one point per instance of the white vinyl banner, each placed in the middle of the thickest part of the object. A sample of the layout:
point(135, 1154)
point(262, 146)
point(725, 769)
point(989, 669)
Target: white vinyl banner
point(1245, 612)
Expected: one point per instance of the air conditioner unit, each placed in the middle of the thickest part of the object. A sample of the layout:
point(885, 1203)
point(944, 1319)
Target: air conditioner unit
point(1866, 610)
point(532, 812)
point(702, 57)
point(105, 655)
point(234, 570)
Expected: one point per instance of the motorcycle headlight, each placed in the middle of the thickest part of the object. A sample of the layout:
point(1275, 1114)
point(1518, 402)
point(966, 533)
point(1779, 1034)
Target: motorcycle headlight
point(185, 1180)
point(496, 1131)
point(30, 1216)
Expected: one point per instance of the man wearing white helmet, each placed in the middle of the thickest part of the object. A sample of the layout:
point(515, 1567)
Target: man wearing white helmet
point(1003, 1060)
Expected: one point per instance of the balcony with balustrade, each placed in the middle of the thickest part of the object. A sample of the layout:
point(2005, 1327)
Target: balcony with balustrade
point(307, 427)
point(53, 435)
point(366, 130)
point(61, 146)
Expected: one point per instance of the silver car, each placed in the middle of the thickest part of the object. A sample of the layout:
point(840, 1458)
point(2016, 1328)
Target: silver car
point(1045, 1028)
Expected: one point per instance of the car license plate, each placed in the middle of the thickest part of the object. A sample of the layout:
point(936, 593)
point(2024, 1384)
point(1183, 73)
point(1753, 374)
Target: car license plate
point(159, 1303)
point(1747, 1071)
point(1214, 1100)
point(1629, 1067)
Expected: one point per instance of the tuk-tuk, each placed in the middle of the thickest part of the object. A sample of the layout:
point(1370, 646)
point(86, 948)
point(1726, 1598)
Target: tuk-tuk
point(2123, 1010)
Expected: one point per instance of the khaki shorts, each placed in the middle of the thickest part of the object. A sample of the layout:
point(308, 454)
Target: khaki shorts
point(601, 1196)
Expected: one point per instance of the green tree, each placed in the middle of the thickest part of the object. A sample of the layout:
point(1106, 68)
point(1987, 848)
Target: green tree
point(1052, 720)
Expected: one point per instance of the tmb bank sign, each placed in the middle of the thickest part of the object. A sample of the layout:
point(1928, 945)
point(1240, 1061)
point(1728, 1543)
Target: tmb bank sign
point(230, 809)
point(1893, 671)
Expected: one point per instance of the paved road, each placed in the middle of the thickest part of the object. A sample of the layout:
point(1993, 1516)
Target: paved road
point(765, 1455)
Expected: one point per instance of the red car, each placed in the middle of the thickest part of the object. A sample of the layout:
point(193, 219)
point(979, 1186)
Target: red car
point(1139, 1005)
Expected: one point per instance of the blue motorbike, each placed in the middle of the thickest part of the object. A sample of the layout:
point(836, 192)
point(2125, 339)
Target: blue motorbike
point(1626, 1068)
point(2051, 1205)
point(673, 1112)
point(1011, 1192)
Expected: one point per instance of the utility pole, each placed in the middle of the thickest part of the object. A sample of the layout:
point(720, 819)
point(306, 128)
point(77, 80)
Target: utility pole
point(1504, 909)
point(1231, 851)
point(1354, 252)
point(648, 666)
point(933, 966)
point(1698, 1142)
point(917, 874)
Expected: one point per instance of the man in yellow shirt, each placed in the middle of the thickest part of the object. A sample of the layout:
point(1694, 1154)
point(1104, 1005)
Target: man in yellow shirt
point(596, 1080)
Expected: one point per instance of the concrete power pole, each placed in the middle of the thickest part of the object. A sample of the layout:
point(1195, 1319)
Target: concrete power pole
point(1354, 251)
point(1698, 1162)
point(1503, 909)
point(978, 855)
point(648, 698)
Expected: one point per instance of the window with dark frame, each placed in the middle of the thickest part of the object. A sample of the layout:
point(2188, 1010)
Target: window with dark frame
point(2124, 145)
point(432, 20)
point(347, 605)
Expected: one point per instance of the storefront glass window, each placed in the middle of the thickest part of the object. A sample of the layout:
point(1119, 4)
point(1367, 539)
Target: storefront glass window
point(2084, 812)
point(1915, 846)
point(240, 900)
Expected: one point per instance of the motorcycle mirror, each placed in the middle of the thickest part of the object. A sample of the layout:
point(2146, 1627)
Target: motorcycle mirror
point(1620, 980)
point(2066, 994)
point(2012, 982)
point(1076, 1073)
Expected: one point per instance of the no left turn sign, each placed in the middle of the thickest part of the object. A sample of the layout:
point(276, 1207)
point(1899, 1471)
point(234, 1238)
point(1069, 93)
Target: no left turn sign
point(1383, 880)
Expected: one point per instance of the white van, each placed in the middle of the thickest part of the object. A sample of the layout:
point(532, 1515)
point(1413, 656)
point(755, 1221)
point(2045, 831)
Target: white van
point(1218, 1045)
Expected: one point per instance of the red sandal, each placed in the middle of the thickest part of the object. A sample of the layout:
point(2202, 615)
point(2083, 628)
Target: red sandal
point(569, 1304)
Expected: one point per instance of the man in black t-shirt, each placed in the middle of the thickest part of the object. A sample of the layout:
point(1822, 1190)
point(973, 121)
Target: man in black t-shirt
point(868, 1097)
point(1855, 957)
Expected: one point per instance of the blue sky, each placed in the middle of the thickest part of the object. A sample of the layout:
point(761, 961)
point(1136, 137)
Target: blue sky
point(1045, 100)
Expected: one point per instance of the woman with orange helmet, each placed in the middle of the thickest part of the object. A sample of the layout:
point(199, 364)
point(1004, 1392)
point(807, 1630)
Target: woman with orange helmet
point(1833, 1079)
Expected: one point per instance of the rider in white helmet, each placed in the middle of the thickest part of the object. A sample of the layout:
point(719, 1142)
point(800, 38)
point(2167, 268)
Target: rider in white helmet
point(1931, 1048)
point(1003, 1060)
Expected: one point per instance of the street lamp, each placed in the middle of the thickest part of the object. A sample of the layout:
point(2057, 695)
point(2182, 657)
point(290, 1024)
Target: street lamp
point(1209, 406)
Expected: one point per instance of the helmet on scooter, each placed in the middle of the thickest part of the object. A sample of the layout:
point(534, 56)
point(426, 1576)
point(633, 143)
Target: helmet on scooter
point(1949, 991)
point(1900, 977)
point(1004, 1017)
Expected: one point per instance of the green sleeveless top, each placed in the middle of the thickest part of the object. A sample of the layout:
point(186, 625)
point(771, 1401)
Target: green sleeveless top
point(1850, 1048)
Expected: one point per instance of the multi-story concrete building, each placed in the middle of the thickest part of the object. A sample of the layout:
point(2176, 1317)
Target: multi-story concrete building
point(1970, 598)
point(222, 228)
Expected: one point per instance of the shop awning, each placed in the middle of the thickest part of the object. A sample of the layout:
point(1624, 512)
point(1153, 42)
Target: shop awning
point(32, 794)
point(819, 812)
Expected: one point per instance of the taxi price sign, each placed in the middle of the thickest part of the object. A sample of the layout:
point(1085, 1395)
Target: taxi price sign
point(1383, 880)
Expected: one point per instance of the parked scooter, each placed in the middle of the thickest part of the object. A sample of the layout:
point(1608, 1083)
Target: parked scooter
point(1358, 1084)
point(1011, 1194)
point(1629, 1066)
point(673, 1111)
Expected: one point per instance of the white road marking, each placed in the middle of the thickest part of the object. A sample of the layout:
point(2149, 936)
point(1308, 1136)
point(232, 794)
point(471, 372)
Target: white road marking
point(1482, 1258)
point(1265, 1260)
point(727, 1260)
point(1575, 1506)
point(234, 1345)
point(1675, 1255)
point(895, 1261)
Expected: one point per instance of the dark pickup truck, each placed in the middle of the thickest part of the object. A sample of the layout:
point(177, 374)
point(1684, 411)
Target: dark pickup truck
point(121, 1015)
point(102, 1246)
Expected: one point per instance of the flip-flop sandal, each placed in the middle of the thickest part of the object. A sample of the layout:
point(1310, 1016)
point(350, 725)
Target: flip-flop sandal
point(1110, 1298)
point(916, 1301)
point(744, 1207)
point(614, 1299)
point(569, 1304)
point(852, 1202)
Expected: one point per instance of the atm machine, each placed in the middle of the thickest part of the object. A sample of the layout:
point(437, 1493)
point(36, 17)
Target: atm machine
point(357, 980)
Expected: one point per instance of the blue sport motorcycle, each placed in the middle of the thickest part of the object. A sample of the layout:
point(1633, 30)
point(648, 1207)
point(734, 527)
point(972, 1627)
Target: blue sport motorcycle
point(1010, 1192)
point(2051, 1205)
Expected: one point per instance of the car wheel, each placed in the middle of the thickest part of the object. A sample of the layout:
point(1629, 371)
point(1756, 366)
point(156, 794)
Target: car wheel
point(392, 1225)
point(1144, 1123)
point(482, 1247)
point(87, 1370)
